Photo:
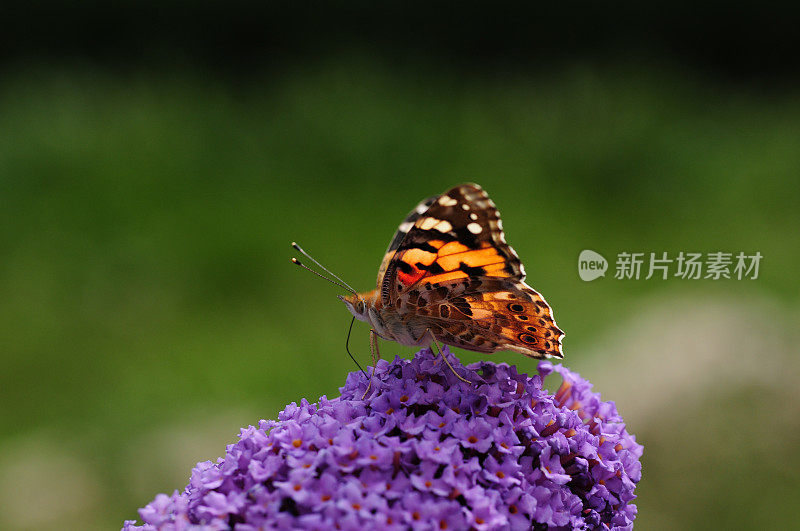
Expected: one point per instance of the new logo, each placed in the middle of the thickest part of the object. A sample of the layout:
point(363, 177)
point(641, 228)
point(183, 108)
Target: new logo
point(591, 265)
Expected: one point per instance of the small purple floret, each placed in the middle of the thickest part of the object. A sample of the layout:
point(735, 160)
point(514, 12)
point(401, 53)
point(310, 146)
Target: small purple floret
point(423, 450)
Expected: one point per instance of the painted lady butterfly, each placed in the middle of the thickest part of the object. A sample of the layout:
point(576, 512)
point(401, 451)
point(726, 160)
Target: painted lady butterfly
point(449, 276)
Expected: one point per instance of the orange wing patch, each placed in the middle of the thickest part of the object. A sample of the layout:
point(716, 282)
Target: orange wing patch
point(416, 263)
point(473, 258)
point(416, 255)
point(451, 261)
point(445, 277)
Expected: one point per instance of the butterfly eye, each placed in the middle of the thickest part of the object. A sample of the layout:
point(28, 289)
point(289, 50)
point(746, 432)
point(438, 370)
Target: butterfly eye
point(360, 306)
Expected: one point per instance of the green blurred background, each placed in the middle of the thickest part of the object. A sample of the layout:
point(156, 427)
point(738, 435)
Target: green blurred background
point(156, 162)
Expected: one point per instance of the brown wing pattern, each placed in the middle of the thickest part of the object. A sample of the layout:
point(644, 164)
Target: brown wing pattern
point(487, 315)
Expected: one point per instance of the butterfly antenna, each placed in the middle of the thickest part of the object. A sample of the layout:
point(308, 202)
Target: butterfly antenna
point(331, 273)
point(342, 284)
point(320, 275)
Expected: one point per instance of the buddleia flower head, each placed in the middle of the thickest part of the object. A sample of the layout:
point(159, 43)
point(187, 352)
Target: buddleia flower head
point(422, 450)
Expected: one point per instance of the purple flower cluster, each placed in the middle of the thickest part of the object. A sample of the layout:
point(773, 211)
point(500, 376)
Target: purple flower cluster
point(422, 450)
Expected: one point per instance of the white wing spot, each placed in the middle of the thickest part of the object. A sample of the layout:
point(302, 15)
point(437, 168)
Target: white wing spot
point(421, 208)
point(446, 200)
point(474, 228)
point(405, 227)
point(499, 224)
point(428, 223)
point(473, 216)
point(465, 206)
point(443, 226)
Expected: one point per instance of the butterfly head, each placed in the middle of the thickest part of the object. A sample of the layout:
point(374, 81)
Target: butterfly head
point(357, 305)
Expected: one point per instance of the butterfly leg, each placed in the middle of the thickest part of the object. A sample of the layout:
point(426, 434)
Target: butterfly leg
point(433, 339)
point(375, 355)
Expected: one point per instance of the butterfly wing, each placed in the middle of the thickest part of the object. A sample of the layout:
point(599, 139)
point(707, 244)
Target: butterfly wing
point(487, 315)
point(454, 270)
point(459, 235)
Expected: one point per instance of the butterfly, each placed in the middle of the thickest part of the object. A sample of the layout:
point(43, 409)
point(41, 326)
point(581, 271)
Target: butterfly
point(448, 276)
